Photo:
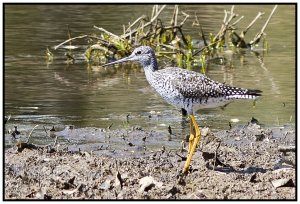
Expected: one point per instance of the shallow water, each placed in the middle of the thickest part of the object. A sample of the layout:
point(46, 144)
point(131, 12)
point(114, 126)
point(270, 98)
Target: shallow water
point(58, 94)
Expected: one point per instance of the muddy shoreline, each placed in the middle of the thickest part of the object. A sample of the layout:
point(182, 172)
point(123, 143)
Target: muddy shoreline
point(246, 162)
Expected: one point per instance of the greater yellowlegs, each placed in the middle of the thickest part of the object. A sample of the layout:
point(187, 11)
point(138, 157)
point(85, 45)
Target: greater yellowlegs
point(186, 89)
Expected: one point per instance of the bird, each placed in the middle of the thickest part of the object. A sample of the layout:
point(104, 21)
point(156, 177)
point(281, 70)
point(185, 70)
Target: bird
point(188, 90)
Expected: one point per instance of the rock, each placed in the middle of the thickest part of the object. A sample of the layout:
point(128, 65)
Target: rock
point(69, 192)
point(260, 137)
point(205, 131)
point(173, 190)
point(105, 185)
point(253, 178)
point(239, 164)
point(147, 183)
point(207, 155)
point(41, 194)
point(136, 127)
point(283, 183)
point(237, 138)
point(130, 144)
point(71, 181)
point(118, 180)
point(286, 149)
point(283, 170)
point(254, 121)
point(244, 169)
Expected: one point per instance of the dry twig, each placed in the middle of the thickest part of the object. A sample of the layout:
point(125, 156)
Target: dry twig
point(259, 35)
point(31, 133)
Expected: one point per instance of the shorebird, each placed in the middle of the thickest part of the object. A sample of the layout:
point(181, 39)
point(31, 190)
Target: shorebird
point(187, 90)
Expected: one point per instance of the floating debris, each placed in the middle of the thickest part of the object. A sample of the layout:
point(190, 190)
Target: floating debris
point(234, 120)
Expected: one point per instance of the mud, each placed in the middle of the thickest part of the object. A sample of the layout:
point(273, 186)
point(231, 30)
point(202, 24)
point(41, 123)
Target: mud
point(246, 162)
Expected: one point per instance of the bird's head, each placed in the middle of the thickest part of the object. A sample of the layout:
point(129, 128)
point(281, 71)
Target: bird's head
point(143, 54)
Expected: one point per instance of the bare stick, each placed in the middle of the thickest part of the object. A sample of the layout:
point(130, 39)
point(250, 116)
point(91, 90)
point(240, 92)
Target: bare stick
point(232, 8)
point(258, 36)
point(174, 18)
point(153, 11)
point(171, 47)
point(78, 37)
point(225, 25)
point(156, 8)
point(147, 24)
point(238, 20)
point(55, 141)
point(135, 22)
point(183, 37)
point(124, 29)
point(240, 42)
point(176, 15)
point(186, 16)
point(142, 26)
point(31, 133)
point(109, 33)
point(270, 16)
point(106, 43)
point(203, 36)
point(254, 20)
point(225, 16)
point(69, 35)
point(196, 22)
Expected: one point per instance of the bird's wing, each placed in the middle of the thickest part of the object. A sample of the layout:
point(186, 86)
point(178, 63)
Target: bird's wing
point(191, 84)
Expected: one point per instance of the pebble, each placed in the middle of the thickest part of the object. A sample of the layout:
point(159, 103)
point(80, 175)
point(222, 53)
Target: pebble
point(147, 183)
point(283, 183)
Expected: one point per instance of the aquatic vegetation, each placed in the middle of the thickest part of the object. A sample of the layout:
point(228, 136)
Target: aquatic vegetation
point(168, 39)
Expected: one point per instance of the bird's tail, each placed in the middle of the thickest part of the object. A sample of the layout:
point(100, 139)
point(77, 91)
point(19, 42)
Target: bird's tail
point(254, 92)
point(240, 93)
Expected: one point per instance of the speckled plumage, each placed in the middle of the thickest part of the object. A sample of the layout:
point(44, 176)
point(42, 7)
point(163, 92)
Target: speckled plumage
point(186, 89)
point(193, 91)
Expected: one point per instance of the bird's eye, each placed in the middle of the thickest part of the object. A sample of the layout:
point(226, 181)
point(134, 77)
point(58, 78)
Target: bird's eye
point(138, 52)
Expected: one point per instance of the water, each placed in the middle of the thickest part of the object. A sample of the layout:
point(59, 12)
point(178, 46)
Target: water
point(59, 94)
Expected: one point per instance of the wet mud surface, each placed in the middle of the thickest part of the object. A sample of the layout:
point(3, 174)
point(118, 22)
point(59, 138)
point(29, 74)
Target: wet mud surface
point(246, 162)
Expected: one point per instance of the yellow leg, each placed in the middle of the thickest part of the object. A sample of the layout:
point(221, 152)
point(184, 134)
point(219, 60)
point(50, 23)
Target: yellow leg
point(192, 136)
point(194, 144)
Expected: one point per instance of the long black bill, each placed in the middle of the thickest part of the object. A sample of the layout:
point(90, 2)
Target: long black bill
point(125, 59)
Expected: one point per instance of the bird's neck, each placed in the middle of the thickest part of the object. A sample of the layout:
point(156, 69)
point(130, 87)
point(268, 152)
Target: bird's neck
point(150, 75)
point(150, 65)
